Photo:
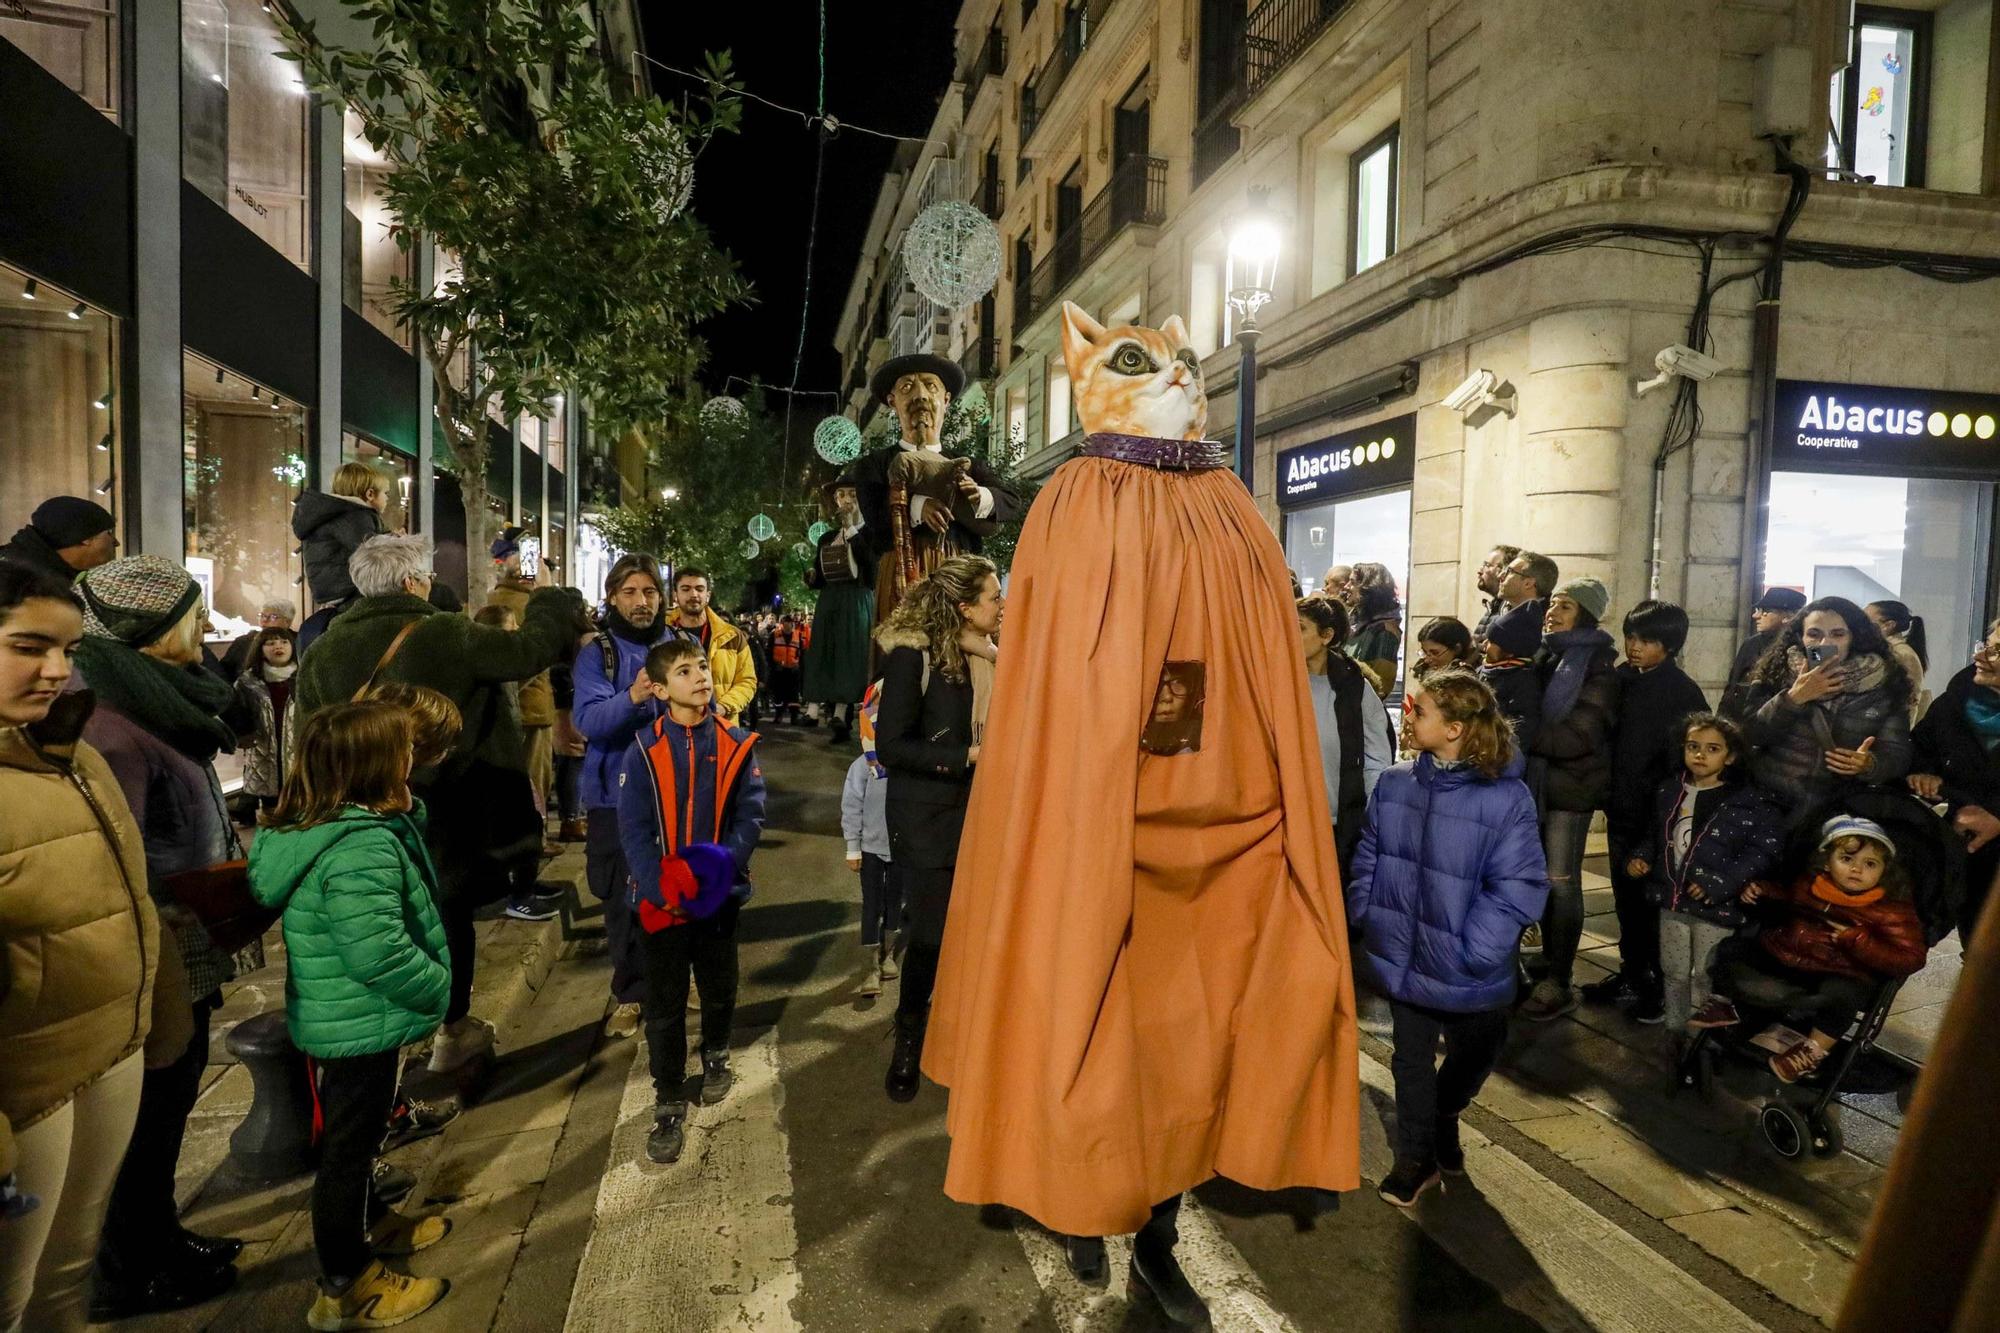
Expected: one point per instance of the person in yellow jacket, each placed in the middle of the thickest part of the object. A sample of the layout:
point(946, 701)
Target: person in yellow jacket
point(728, 648)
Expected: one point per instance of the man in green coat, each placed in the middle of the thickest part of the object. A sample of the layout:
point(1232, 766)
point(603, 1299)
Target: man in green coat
point(482, 814)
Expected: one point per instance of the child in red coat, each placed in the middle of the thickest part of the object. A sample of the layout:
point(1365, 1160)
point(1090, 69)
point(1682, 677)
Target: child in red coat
point(1840, 930)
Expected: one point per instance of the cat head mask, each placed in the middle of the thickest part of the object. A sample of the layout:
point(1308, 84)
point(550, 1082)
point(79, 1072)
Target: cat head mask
point(1130, 380)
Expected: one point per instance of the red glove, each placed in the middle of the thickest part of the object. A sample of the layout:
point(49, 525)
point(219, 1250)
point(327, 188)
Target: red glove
point(677, 885)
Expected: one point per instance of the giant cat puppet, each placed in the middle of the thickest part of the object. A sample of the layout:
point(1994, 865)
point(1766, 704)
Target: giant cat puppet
point(1145, 978)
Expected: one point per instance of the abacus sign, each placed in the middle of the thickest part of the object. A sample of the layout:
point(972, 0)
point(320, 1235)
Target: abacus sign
point(1870, 428)
point(1368, 458)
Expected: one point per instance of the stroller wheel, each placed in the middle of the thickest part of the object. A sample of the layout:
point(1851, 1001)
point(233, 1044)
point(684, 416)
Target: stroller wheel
point(1784, 1129)
point(1826, 1137)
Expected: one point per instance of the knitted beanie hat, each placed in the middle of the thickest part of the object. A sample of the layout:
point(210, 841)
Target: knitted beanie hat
point(66, 520)
point(1853, 826)
point(1517, 632)
point(137, 599)
point(1587, 593)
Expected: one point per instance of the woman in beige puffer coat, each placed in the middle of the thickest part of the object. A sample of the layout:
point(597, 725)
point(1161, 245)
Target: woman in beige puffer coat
point(79, 947)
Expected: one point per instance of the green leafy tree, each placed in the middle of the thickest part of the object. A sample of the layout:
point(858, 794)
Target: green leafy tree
point(571, 262)
point(971, 430)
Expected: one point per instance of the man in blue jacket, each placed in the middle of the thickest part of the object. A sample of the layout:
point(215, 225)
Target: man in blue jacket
point(614, 700)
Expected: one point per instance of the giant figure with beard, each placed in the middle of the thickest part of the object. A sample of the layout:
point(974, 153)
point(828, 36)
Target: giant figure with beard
point(921, 507)
point(1145, 978)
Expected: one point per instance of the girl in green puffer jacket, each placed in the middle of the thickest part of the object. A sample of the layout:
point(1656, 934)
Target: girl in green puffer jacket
point(343, 854)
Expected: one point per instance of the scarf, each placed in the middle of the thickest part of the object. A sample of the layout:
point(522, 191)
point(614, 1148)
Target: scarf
point(979, 664)
point(1827, 891)
point(1574, 650)
point(620, 627)
point(1982, 715)
point(276, 673)
point(1859, 674)
point(180, 706)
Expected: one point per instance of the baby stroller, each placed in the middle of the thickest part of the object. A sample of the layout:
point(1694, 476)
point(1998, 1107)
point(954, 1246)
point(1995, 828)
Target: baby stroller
point(1797, 1122)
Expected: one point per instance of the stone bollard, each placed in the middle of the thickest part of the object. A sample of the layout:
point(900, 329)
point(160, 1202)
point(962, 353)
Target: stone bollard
point(275, 1140)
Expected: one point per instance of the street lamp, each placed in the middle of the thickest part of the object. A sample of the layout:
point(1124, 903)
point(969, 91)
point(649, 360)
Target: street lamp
point(1252, 278)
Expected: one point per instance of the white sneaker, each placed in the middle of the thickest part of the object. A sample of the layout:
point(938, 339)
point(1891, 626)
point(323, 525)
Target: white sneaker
point(460, 1043)
point(623, 1022)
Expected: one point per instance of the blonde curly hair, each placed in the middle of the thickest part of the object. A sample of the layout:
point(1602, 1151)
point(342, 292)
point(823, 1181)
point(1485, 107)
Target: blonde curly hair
point(928, 616)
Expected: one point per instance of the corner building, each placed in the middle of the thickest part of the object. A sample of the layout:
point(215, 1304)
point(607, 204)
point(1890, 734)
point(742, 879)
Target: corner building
point(1553, 193)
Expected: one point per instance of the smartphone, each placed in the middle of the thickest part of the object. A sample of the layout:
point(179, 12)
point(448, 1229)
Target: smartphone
point(1819, 653)
point(531, 557)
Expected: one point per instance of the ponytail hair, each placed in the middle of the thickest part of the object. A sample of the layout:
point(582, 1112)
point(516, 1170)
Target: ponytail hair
point(1903, 621)
point(1462, 697)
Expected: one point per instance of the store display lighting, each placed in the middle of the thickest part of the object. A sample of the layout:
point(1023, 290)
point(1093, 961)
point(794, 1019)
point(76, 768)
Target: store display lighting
point(104, 445)
point(75, 311)
point(104, 403)
point(28, 291)
point(256, 393)
point(105, 487)
point(218, 374)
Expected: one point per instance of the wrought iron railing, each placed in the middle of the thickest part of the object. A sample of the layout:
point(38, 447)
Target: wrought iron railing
point(1277, 32)
point(1135, 196)
point(1079, 29)
point(1216, 140)
point(990, 197)
point(990, 63)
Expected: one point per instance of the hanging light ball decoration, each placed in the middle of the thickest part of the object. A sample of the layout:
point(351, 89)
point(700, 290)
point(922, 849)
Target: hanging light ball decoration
point(837, 440)
point(802, 551)
point(816, 531)
point(761, 528)
point(748, 549)
point(953, 253)
point(666, 167)
point(719, 414)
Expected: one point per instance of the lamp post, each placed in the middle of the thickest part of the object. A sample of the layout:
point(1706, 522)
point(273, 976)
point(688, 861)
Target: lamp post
point(1252, 276)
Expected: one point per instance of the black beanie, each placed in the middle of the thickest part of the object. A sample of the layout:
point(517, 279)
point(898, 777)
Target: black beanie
point(66, 520)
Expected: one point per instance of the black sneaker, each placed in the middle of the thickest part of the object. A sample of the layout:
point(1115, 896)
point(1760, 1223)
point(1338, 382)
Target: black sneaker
point(669, 1134)
point(1614, 989)
point(388, 1184)
point(414, 1118)
point(1407, 1181)
point(1450, 1155)
point(534, 906)
point(1085, 1255)
point(716, 1080)
point(1648, 1009)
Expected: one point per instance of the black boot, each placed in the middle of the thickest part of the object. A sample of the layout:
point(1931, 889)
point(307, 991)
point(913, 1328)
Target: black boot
point(669, 1134)
point(1085, 1255)
point(213, 1251)
point(901, 1083)
point(1158, 1273)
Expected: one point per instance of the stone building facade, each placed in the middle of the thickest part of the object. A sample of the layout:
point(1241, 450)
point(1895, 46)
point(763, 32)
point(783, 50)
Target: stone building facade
point(1548, 192)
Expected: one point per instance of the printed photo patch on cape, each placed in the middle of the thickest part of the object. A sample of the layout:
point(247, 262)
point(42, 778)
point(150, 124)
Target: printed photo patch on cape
point(1174, 727)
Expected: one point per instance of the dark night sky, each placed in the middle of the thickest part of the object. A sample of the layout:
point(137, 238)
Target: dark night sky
point(887, 63)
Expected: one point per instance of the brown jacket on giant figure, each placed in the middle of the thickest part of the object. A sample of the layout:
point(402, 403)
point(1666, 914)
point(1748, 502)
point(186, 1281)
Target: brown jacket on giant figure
point(538, 695)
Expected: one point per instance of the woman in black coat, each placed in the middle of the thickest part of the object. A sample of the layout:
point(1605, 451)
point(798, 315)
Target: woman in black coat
point(937, 675)
point(1957, 761)
point(1573, 747)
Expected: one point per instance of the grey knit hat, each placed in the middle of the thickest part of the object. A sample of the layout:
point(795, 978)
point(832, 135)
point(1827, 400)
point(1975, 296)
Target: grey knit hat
point(1587, 593)
point(137, 599)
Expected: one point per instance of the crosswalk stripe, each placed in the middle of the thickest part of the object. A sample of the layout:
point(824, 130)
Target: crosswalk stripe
point(709, 1242)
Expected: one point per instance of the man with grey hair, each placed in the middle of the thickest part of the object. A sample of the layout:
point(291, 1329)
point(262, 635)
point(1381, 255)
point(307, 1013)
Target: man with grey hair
point(482, 813)
point(275, 613)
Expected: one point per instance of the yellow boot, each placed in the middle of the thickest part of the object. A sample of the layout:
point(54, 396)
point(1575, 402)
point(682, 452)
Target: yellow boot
point(376, 1299)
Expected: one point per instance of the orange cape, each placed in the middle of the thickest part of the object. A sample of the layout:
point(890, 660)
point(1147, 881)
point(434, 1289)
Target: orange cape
point(1145, 979)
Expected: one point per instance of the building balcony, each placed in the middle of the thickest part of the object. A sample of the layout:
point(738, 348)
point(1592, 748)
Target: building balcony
point(1080, 24)
point(1279, 31)
point(989, 63)
point(981, 359)
point(990, 197)
point(1135, 196)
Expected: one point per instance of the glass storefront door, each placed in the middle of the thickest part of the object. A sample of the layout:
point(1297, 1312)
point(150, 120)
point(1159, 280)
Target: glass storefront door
point(1922, 542)
point(1366, 527)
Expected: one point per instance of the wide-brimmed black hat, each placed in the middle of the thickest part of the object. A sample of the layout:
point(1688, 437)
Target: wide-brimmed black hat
point(896, 367)
point(827, 489)
point(1787, 600)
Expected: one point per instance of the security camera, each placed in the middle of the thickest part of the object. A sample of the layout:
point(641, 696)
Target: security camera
point(1678, 360)
point(1482, 388)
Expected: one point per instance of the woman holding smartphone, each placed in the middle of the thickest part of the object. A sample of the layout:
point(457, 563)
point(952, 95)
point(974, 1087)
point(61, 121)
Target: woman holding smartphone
point(1829, 709)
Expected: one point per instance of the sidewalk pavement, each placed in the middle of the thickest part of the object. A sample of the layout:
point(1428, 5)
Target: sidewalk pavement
point(488, 1163)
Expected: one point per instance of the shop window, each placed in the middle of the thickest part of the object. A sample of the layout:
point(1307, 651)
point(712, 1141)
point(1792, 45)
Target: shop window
point(555, 436)
point(531, 434)
point(1927, 543)
point(1347, 532)
point(243, 121)
point(244, 452)
point(1880, 104)
point(78, 41)
point(371, 260)
point(399, 475)
point(1060, 421)
point(59, 402)
point(552, 556)
point(1371, 202)
point(1208, 306)
point(1017, 421)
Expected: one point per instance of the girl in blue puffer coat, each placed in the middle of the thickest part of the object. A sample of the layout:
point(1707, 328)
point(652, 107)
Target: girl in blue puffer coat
point(1448, 874)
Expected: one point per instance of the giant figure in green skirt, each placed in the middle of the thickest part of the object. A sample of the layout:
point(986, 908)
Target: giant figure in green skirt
point(843, 570)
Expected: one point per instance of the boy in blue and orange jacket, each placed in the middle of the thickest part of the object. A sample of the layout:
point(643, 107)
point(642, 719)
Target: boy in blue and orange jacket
point(690, 811)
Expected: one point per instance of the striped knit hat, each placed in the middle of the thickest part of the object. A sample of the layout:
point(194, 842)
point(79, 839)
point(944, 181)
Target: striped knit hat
point(137, 599)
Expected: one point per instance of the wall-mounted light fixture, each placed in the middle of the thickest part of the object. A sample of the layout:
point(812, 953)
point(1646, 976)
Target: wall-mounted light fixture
point(76, 311)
